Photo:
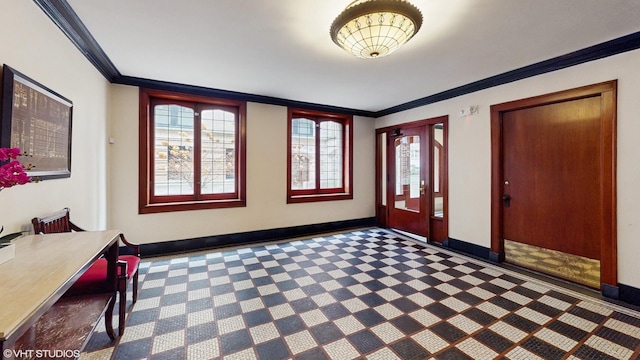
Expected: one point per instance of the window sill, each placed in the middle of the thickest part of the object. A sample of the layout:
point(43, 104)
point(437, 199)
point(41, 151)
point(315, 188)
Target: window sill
point(190, 205)
point(293, 199)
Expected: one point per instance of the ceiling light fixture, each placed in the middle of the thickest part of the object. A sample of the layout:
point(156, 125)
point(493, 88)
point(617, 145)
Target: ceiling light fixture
point(375, 28)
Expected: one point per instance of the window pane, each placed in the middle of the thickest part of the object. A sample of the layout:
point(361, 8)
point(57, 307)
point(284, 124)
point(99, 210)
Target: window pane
point(303, 154)
point(173, 149)
point(382, 139)
point(218, 152)
point(438, 173)
point(330, 155)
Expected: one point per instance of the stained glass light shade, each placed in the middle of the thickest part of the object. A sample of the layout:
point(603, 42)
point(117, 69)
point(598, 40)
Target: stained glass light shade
point(375, 28)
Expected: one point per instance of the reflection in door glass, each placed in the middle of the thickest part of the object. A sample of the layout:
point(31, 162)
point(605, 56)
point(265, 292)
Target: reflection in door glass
point(438, 173)
point(407, 194)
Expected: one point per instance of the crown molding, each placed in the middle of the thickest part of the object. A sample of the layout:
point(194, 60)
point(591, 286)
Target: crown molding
point(609, 48)
point(61, 13)
point(233, 95)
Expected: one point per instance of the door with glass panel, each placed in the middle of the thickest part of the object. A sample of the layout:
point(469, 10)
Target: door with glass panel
point(412, 178)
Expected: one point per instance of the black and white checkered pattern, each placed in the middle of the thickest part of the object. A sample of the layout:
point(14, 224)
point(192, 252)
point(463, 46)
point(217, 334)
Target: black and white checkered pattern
point(367, 294)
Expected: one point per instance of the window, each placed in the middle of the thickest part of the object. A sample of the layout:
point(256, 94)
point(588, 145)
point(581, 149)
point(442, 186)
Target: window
point(192, 152)
point(320, 156)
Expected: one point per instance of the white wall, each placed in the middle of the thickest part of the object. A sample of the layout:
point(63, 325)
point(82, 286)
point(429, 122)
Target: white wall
point(470, 150)
point(266, 180)
point(33, 45)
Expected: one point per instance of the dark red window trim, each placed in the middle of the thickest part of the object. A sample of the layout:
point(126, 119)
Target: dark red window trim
point(148, 203)
point(346, 191)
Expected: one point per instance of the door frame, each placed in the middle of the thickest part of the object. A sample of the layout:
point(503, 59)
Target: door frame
point(607, 91)
point(383, 211)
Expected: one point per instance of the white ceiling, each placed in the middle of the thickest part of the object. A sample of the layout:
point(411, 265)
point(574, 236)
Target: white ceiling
point(282, 48)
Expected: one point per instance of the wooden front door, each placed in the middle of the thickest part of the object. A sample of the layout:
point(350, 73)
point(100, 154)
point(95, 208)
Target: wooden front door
point(553, 174)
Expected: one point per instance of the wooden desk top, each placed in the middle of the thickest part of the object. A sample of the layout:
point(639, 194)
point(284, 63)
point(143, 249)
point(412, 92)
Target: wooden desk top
point(42, 269)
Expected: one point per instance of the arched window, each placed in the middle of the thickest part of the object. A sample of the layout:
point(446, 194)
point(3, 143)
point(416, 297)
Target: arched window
point(191, 152)
point(320, 156)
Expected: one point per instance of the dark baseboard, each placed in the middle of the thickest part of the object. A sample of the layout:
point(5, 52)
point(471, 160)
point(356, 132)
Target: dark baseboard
point(249, 237)
point(629, 294)
point(610, 291)
point(468, 248)
point(494, 257)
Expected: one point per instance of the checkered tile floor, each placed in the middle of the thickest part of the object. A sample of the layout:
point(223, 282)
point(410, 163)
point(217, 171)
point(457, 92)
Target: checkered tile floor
point(368, 294)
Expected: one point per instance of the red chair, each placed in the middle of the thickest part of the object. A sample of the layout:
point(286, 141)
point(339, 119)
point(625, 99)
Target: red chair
point(94, 280)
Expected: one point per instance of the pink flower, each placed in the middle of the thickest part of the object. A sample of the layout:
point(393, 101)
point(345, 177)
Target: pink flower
point(9, 153)
point(12, 173)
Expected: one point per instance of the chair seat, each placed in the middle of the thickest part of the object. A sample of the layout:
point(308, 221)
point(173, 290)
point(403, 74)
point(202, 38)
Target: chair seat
point(95, 278)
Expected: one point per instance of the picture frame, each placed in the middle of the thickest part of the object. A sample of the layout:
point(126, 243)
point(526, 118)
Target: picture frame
point(37, 120)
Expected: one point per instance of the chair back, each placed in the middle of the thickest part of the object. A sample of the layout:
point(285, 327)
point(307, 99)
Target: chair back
point(57, 222)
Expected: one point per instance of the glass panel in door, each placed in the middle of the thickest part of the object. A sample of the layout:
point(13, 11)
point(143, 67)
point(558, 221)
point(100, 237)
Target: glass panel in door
point(408, 169)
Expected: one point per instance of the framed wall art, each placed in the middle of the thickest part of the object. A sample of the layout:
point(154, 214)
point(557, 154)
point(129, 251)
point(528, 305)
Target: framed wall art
point(38, 121)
